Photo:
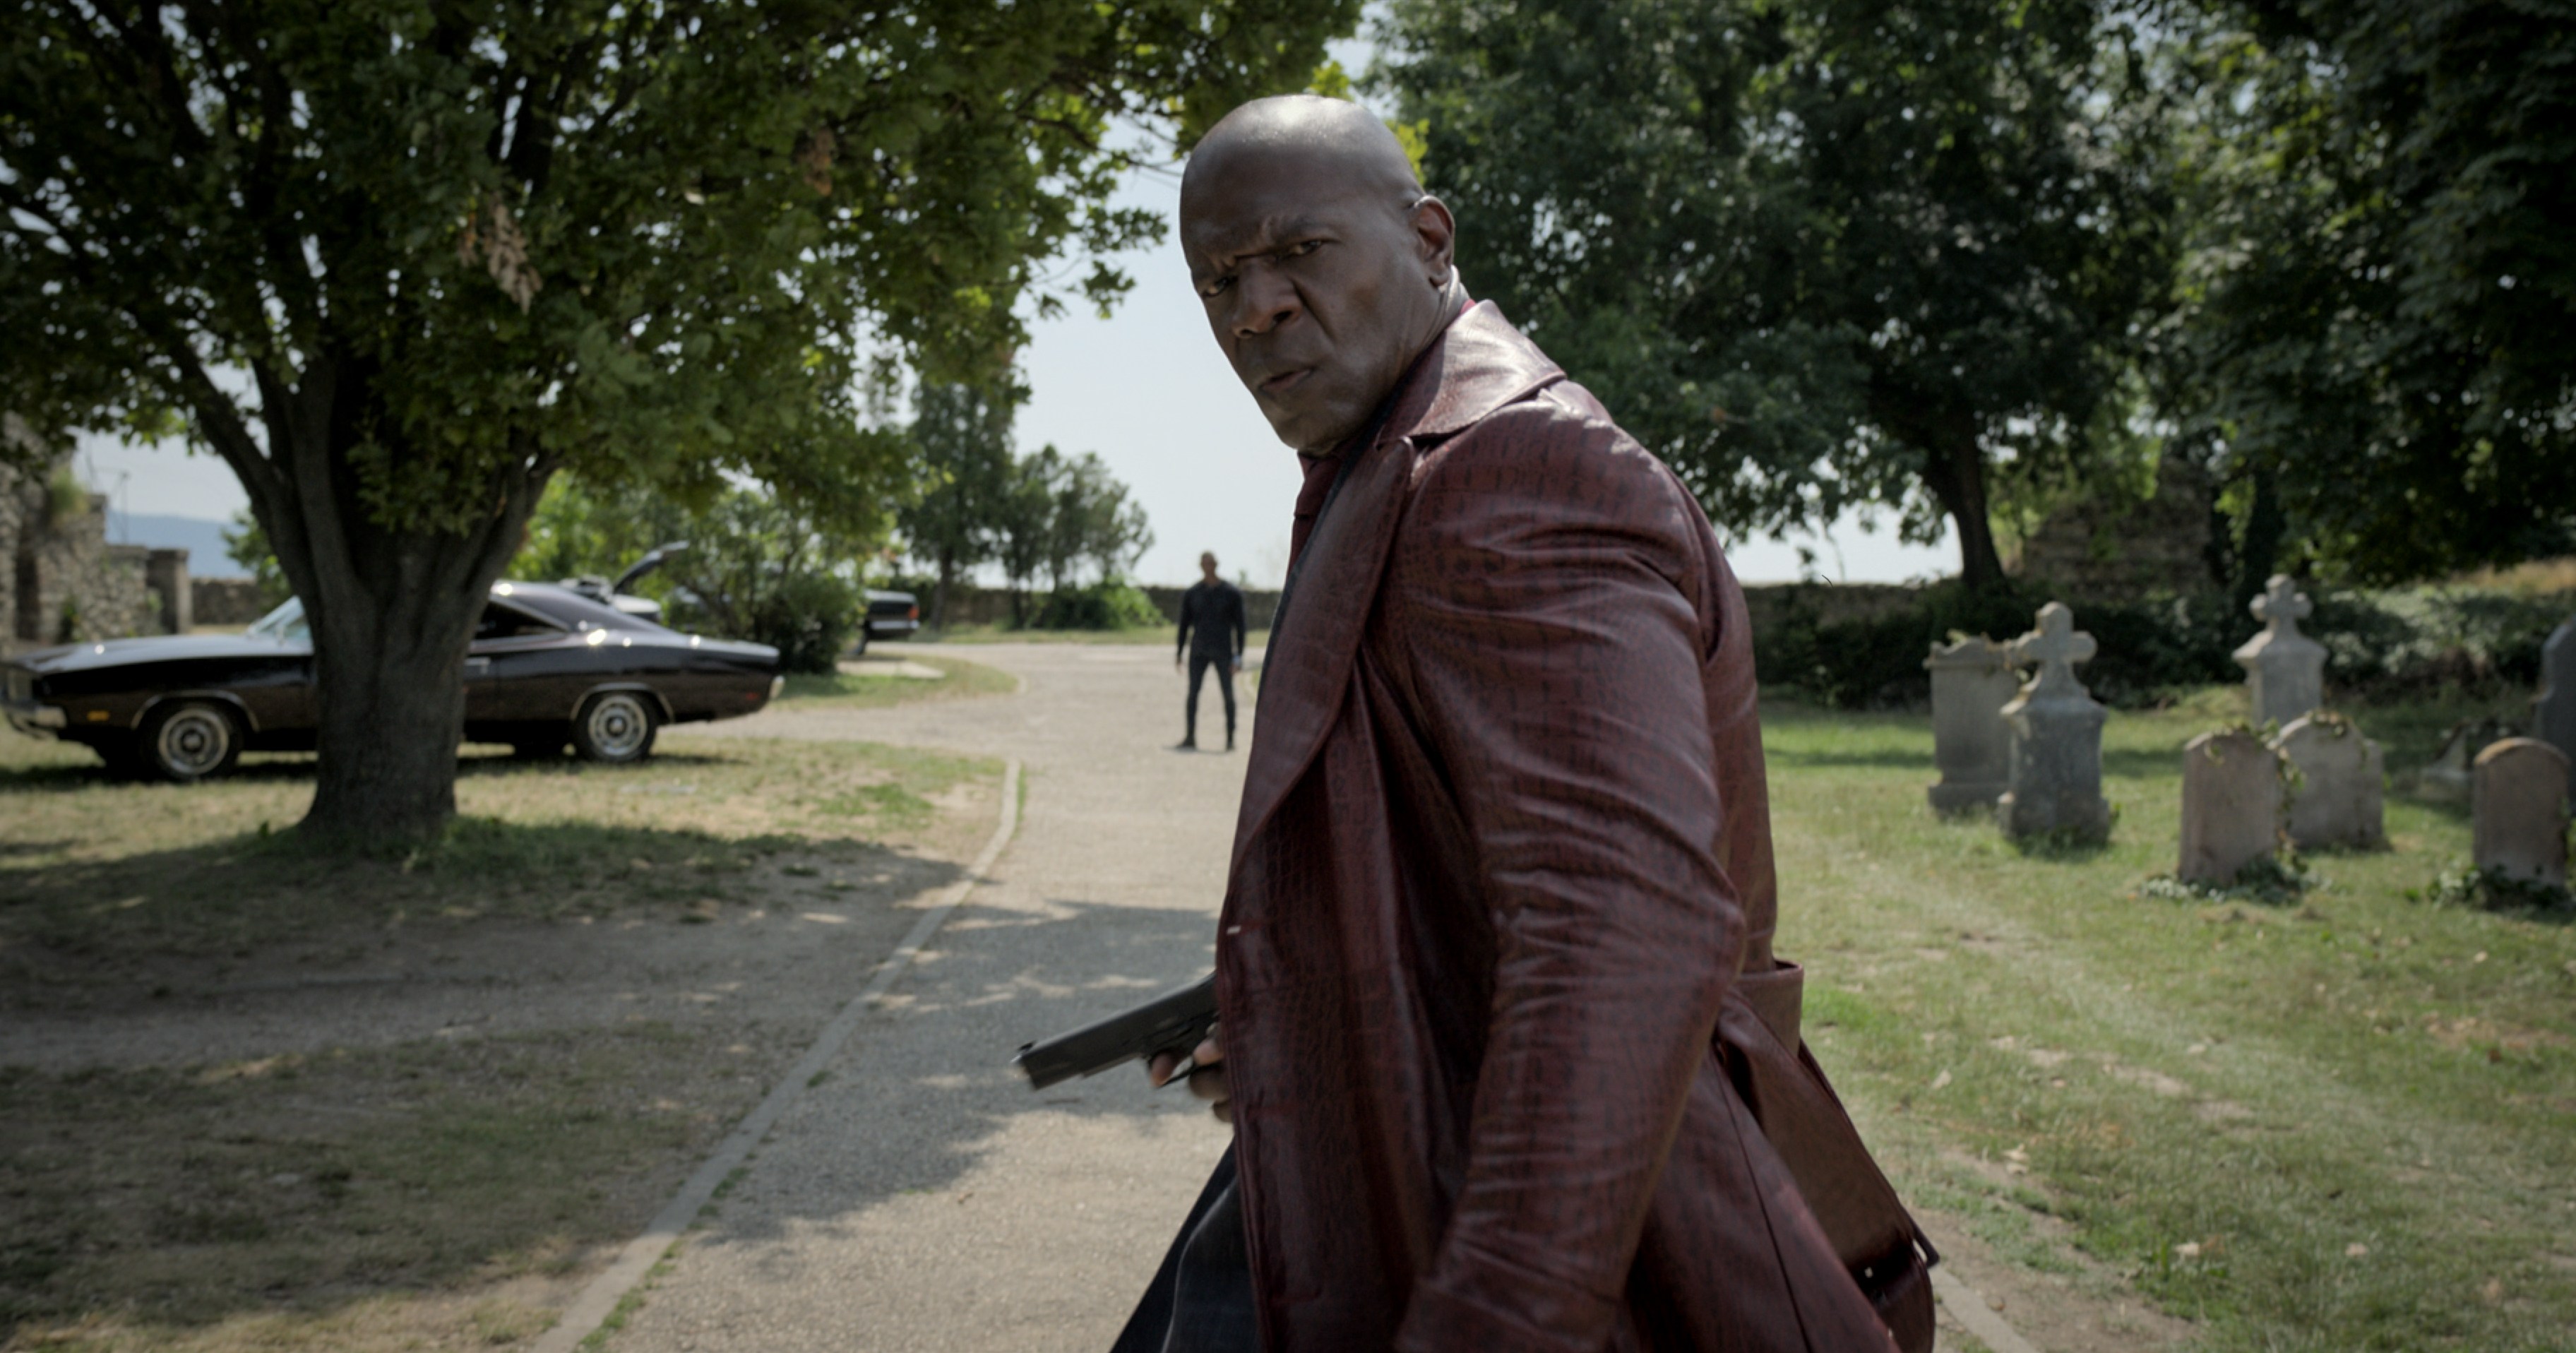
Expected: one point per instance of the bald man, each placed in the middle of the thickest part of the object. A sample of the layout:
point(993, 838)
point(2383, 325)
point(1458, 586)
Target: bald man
point(1509, 1062)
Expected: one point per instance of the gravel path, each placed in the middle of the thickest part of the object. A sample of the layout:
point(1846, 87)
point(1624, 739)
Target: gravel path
point(920, 1196)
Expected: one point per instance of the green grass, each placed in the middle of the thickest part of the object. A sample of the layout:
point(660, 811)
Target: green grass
point(2026, 1039)
point(94, 868)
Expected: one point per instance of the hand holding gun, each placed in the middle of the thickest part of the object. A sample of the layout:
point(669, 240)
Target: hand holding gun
point(1175, 1023)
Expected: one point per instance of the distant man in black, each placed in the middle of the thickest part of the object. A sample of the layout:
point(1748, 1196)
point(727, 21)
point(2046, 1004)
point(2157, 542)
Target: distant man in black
point(1211, 636)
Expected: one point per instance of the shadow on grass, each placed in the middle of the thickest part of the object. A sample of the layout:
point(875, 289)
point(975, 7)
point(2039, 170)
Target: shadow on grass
point(261, 888)
point(298, 768)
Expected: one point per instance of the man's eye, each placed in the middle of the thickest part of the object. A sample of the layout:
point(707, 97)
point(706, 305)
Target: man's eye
point(1216, 286)
point(1301, 248)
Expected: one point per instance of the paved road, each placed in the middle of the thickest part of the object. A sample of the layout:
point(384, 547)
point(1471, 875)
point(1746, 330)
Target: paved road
point(921, 1197)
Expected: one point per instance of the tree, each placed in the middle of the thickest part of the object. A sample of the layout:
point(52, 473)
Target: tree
point(1815, 254)
point(963, 432)
point(2379, 335)
point(1091, 521)
point(399, 262)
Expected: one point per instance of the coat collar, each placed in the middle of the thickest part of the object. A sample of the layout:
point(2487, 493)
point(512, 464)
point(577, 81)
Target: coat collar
point(1478, 364)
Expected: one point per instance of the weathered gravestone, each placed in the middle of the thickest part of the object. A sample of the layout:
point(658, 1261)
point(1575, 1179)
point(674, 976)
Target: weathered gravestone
point(2520, 811)
point(2554, 713)
point(2336, 801)
point(2231, 806)
point(2285, 671)
point(2056, 783)
point(1971, 743)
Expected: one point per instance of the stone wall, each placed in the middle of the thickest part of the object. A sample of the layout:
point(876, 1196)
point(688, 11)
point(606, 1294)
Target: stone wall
point(63, 583)
point(226, 601)
point(2111, 545)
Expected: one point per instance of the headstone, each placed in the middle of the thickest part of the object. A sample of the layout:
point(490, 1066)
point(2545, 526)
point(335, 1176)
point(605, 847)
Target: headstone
point(2520, 811)
point(2285, 671)
point(2056, 783)
point(2337, 800)
point(1971, 743)
point(2554, 713)
point(2447, 778)
point(2231, 806)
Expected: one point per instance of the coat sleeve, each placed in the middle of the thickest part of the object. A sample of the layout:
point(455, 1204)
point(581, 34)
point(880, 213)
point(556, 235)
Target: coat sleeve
point(1546, 598)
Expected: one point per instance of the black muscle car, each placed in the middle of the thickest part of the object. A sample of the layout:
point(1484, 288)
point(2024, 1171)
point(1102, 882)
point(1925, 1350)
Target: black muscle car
point(546, 666)
point(890, 615)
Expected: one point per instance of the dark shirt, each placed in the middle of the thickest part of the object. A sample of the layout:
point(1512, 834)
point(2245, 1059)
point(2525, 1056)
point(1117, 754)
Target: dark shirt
point(1211, 620)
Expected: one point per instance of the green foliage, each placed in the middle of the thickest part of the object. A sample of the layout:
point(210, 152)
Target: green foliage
point(2274, 880)
point(2380, 301)
point(963, 436)
point(758, 565)
point(66, 498)
point(1061, 515)
point(455, 249)
point(1816, 255)
point(2389, 645)
point(2494, 890)
point(247, 545)
point(1110, 604)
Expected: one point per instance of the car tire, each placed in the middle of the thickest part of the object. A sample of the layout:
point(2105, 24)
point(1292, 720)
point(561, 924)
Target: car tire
point(615, 727)
point(859, 647)
point(184, 741)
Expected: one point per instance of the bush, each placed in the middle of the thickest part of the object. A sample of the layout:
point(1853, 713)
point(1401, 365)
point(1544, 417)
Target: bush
point(1112, 604)
point(2404, 644)
point(809, 618)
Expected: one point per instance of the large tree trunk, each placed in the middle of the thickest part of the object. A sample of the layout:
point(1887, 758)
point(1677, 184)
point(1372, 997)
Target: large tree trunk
point(391, 609)
point(1955, 470)
point(939, 595)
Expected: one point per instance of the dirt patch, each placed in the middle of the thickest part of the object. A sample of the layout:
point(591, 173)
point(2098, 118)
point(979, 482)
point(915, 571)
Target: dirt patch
point(261, 1099)
point(2080, 1308)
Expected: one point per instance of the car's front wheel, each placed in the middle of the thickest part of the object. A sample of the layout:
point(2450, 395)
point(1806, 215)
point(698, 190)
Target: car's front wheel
point(615, 727)
point(189, 740)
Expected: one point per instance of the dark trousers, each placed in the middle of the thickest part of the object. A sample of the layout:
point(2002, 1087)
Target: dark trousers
point(1199, 665)
point(1201, 1299)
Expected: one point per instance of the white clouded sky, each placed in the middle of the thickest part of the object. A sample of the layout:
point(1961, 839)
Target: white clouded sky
point(1148, 390)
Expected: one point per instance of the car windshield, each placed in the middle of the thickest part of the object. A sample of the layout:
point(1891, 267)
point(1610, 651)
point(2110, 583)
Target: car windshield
point(285, 624)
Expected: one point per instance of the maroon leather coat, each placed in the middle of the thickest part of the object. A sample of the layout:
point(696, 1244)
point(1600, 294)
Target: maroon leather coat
point(1504, 851)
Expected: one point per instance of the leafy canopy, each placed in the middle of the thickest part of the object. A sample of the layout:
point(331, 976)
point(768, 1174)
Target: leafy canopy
point(655, 240)
point(2379, 315)
point(1816, 254)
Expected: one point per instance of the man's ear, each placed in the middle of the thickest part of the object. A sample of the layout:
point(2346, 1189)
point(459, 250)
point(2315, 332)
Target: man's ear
point(1435, 231)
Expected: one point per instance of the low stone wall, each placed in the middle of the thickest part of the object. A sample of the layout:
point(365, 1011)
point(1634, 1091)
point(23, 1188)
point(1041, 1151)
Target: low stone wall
point(226, 601)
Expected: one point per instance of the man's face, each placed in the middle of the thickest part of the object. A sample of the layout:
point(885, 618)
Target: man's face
point(1319, 293)
point(1207, 566)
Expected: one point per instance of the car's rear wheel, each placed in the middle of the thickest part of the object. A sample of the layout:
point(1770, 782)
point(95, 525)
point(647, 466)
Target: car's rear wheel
point(859, 646)
point(615, 727)
point(189, 740)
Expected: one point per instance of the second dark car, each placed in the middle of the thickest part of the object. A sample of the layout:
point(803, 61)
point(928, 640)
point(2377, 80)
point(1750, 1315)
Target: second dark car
point(547, 667)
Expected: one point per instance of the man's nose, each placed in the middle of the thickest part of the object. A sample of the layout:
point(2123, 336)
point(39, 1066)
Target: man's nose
point(1267, 301)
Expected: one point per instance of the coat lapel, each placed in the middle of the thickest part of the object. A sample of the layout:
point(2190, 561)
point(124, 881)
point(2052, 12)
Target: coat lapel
point(1302, 679)
point(1479, 364)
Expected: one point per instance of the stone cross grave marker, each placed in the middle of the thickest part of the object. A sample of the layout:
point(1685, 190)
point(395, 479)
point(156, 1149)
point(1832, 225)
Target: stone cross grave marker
point(2285, 671)
point(2554, 713)
point(2056, 783)
point(2519, 811)
point(1971, 743)
point(2337, 801)
point(2231, 806)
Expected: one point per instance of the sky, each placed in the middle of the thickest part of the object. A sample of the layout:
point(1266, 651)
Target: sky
point(1147, 390)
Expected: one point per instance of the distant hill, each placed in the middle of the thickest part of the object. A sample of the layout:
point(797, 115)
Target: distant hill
point(202, 539)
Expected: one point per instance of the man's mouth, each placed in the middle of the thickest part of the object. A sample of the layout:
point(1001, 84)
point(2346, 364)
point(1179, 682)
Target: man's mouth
point(1285, 381)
